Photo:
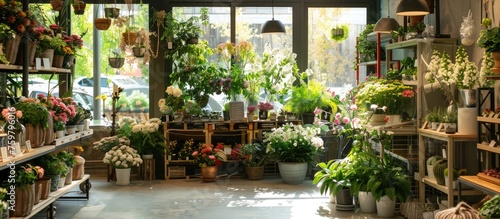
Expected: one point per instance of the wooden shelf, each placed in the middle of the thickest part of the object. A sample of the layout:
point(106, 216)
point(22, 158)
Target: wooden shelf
point(410, 83)
point(488, 148)
point(480, 184)
point(444, 137)
point(34, 70)
point(488, 119)
point(445, 189)
point(53, 196)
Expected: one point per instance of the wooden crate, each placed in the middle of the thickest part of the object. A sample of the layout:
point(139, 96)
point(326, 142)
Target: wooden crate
point(176, 172)
point(487, 178)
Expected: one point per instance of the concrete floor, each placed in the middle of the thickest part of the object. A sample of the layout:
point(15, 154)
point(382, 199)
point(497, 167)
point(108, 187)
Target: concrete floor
point(231, 198)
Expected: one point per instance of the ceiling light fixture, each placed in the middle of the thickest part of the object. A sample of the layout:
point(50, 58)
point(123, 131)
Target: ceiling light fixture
point(273, 26)
point(412, 8)
point(386, 24)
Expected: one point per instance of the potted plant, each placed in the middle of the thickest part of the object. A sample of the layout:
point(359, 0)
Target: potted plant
point(255, 158)
point(366, 48)
point(35, 118)
point(138, 100)
point(70, 162)
point(306, 98)
point(339, 33)
point(106, 143)
point(117, 60)
point(264, 108)
point(294, 147)
point(449, 121)
point(491, 208)
point(209, 158)
point(146, 137)
point(5, 33)
point(79, 6)
point(24, 191)
point(53, 168)
point(455, 176)
point(122, 158)
point(433, 117)
point(489, 39)
point(250, 112)
point(334, 178)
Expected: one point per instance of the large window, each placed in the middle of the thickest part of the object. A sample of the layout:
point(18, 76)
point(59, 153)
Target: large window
point(331, 61)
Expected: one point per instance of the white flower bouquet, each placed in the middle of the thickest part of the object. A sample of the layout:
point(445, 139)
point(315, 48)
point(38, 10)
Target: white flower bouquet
point(122, 157)
point(173, 102)
point(106, 143)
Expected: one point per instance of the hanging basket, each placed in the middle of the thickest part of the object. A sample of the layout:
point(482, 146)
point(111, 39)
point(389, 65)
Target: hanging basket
point(79, 7)
point(57, 5)
point(130, 38)
point(116, 62)
point(192, 41)
point(139, 51)
point(339, 33)
point(102, 23)
point(111, 12)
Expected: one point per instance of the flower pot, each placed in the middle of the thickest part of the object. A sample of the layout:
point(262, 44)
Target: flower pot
point(449, 128)
point(102, 23)
point(69, 61)
point(116, 62)
point(111, 12)
point(79, 168)
point(86, 124)
point(38, 191)
point(61, 182)
point(139, 51)
point(80, 126)
point(57, 5)
point(18, 130)
point(54, 182)
point(434, 125)
point(45, 181)
point(263, 115)
point(123, 177)
point(367, 202)
point(12, 48)
point(25, 199)
point(281, 118)
point(290, 116)
point(36, 135)
point(31, 54)
point(209, 173)
point(59, 133)
point(79, 8)
point(293, 172)
point(69, 177)
point(344, 197)
point(378, 119)
point(236, 110)
point(272, 117)
point(192, 41)
point(129, 37)
point(49, 131)
point(393, 119)
point(496, 58)
point(57, 61)
point(48, 53)
point(467, 98)
point(308, 118)
point(255, 173)
point(250, 117)
point(386, 207)
point(70, 129)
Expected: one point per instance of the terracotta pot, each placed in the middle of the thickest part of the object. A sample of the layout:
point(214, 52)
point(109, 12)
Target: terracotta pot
point(209, 173)
point(79, 8)
point(496, 58)
point(102, 23)
point(130, 38)
point(25, 199)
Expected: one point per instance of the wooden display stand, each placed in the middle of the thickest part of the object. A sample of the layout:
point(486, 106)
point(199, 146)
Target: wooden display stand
point(147, 169)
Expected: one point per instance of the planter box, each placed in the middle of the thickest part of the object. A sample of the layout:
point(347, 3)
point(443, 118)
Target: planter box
point(177, 172)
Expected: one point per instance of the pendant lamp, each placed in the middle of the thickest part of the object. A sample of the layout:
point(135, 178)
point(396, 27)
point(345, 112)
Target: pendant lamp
point(273, 26)
point(387, 24)
point(412, 8)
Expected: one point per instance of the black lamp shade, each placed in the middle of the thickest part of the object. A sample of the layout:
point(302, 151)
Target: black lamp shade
point(412, 8)
point(272, 27)
point(386, 25)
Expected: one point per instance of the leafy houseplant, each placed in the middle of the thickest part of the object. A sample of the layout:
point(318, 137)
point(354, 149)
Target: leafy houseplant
point(339, 33)
point(491, 208)
point(33, 113)
point(59, 126)
point(25, 175)
point(51, 164)
point(392, 94)
point(489, 39)
point(307, 97)
point(366, 48)
point(334, 176)
point(255, 155)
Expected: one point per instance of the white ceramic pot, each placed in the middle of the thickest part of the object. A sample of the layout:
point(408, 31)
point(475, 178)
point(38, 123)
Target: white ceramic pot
point(71, 129)
point(386, 207)
point(430, 172)
point(293, 172)
point(62, 180)
point(60, 134)
point(123, 177)
point(367, 202)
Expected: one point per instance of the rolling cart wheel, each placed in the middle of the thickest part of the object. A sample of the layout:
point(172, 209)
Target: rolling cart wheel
point(85, 186)
point(53, 212)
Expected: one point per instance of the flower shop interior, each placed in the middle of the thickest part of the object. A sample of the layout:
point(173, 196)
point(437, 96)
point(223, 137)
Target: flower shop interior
point(249, 109)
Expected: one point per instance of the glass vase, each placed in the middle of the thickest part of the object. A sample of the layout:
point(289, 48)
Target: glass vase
point(17, 129)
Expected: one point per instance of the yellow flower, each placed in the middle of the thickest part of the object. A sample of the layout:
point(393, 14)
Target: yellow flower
point(102, 96)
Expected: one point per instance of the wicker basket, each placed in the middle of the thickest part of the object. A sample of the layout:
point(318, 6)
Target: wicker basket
point(129, 38)
point(102, 23)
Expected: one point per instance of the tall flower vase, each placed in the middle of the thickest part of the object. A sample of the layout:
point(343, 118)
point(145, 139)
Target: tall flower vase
point(209, 173)
point(293, 172)
point(467, 98)
point(123, 176)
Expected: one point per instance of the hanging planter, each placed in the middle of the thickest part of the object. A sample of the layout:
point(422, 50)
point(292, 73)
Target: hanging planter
point(138, 51)
point(102, 23)
point(129, 38)
point(79, 7)
point(111, 12)
point(57, 5)
point(339, 33)
point(192, 41)
point(116, 62)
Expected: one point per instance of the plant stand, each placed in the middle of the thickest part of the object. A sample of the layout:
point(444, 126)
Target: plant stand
point(147, 169)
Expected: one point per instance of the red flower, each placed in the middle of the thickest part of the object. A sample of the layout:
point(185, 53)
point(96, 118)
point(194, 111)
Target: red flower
point(408, 93)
